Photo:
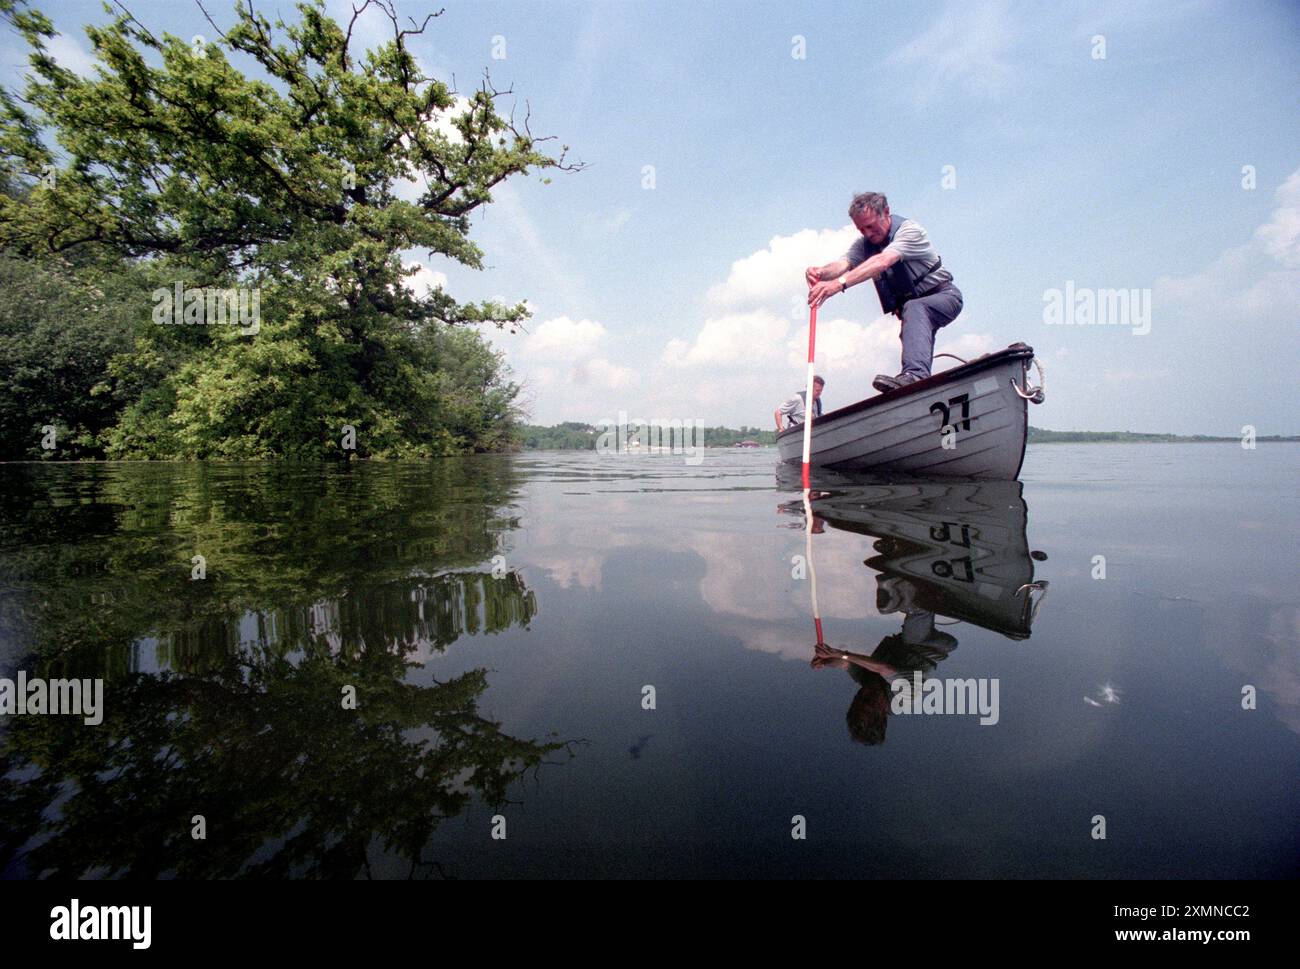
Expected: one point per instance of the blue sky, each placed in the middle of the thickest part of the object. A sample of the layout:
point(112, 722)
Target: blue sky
point(685, 300)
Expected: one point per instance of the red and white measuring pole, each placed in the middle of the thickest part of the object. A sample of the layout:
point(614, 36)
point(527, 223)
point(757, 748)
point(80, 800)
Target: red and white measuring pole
point(808, 398)
point(807, 452)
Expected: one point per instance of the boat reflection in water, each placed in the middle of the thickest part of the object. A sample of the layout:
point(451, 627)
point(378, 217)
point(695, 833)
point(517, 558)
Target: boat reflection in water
point(943, 551)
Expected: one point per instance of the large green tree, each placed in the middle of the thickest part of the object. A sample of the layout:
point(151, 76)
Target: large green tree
point(62, 323)
point(304, 184)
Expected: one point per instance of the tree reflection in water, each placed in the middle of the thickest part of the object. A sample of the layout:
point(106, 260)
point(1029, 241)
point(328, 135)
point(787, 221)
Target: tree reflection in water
point(224, 695)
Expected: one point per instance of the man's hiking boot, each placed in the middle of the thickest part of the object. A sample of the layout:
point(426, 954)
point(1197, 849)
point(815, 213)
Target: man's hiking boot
point(885, 384)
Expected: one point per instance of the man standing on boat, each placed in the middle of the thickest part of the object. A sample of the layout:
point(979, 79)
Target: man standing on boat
point(792, 409)
point(895, 253)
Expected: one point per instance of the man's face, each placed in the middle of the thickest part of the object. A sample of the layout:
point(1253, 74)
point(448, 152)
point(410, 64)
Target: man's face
point(817, 390)
point(874, 227)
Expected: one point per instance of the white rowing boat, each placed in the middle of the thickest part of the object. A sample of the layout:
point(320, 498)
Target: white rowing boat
point(971, 421)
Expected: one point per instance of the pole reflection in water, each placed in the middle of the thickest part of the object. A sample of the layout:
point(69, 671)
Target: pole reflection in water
point(945, 553)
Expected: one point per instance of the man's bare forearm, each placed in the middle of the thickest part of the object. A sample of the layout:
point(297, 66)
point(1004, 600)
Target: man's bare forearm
point(833, 270)
point(839, 269)
point(870, 269)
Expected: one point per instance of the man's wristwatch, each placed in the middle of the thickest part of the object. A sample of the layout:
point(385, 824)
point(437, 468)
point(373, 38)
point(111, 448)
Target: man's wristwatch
point(844, 283)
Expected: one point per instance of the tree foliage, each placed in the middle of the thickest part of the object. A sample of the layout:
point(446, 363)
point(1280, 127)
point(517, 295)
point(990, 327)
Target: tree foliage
point(60, 327)
point(305, 184)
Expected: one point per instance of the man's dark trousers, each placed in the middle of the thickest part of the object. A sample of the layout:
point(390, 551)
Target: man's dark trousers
point(922, 318)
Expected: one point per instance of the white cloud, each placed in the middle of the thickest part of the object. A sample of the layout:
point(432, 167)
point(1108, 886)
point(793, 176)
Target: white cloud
point(1259, 280)
point(559, 355)
point(960, 344)
point(599, 372)
point(1231, 326)
point(843, 343)
point(562, 338)
point(409, 189)
point(69, 54)
point(775, 272)
point(570, 571)
point(964, 51)
point(850, 354)
point(738, 338)
point(1280, 236)
point(442, 122)
point(747, 354)
point(757, 352)
point(424, 279)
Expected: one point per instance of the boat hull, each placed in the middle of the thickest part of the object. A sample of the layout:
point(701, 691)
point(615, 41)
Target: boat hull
point(968, 422)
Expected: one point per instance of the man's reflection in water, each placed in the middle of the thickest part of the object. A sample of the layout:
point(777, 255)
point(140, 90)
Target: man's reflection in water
point(918, 646)
point(952, 549)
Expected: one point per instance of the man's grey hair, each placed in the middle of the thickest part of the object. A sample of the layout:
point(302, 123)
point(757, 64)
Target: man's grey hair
point(868, 200)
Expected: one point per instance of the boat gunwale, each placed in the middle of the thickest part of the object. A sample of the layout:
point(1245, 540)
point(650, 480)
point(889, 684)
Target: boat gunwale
point(1015, 351)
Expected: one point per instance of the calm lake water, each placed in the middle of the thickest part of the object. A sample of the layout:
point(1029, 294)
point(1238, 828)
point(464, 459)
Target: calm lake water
point(504, 623)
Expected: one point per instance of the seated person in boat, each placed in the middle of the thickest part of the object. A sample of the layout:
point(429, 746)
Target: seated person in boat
point(792, 409)
point(895, 253)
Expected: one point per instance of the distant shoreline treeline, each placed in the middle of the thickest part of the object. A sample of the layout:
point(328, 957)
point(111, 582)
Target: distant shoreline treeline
point(1038, 435)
